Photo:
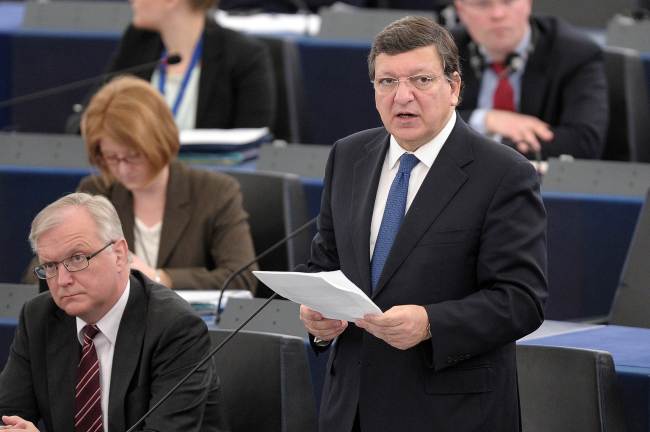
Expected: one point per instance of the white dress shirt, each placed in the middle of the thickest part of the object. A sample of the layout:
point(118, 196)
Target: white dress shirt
point(104, 342)
point(426, 154)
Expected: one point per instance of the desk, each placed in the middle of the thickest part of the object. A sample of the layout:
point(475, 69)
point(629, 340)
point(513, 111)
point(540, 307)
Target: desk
point(630, 348)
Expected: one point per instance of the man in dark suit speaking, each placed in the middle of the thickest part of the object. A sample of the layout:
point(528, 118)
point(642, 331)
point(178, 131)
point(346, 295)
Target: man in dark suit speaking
point(97, 350)
point(446, 232)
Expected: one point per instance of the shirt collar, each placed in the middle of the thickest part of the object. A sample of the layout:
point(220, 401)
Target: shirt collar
point(109, 324)
point(426, 153)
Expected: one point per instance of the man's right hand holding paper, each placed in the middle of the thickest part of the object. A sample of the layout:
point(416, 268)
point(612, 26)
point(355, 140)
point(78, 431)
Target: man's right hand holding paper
point(323, 328)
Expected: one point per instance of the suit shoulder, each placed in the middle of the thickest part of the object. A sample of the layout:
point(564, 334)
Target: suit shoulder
point(38, 308)
point(233, 40)
point(492, 153)
point(206, 180)
point(568, 43)
point(361, 137)
point(164, 303)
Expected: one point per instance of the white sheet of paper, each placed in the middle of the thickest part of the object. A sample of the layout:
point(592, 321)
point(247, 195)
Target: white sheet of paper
point(330, 293)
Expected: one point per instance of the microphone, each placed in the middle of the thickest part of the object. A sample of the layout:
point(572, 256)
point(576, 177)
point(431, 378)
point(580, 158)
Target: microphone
point(270, 249)
point(216, 349)
point(169, 60)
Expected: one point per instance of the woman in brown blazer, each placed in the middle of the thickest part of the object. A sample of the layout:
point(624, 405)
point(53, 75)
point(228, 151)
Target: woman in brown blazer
point(186, 228)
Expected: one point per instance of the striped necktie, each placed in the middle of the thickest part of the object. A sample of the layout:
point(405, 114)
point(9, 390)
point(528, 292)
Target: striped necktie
point(88, 408)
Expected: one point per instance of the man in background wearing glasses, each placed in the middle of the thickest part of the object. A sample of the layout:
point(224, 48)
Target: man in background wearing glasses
point(104, 344)
point(535, 83)
point(446, 232)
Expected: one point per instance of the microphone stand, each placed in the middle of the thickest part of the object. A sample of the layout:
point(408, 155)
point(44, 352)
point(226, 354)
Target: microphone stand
point(270, 249)
point(170, 60)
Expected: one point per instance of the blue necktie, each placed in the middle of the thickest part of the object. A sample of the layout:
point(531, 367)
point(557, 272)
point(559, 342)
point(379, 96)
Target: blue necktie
point(393, 215)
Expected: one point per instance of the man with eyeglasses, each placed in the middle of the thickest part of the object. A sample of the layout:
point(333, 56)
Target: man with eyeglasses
point(534, 83)
point(446, 232)
point(104, 344)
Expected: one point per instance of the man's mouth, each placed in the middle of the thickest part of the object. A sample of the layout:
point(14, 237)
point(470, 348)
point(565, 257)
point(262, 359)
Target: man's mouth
point(406, 115)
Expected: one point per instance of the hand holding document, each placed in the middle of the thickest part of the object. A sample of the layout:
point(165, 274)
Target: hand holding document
point(330, 293)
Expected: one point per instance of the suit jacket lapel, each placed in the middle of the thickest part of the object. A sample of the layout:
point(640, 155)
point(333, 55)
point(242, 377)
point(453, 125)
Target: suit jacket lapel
point(534, 82)
point(126, 355)
point(364, 184)
point(212, 48)
point(440, 185)
point(63, 350)
point(177, 211)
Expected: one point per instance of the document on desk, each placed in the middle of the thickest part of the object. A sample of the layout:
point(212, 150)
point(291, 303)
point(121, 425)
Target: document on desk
point(330, 293)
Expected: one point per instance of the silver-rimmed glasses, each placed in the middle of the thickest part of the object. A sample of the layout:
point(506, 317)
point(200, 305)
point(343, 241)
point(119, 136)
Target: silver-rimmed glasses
point(74, 263)
point(387, 85)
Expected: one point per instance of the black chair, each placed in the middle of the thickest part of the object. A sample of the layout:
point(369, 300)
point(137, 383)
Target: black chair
point(276, 206)
point(628, 137)
point(632, 298)
point(266, 382)
point(568, 390)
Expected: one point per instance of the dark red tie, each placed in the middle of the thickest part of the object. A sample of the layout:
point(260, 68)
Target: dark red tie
point(504, 95)
point(88, 407)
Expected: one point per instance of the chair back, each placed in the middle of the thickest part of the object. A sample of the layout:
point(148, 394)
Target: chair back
point(13, 297)
point(568, 389)
point(628, 136)
point(266, 382)
point(288, 81)
point(276, 206)
point(632, 298)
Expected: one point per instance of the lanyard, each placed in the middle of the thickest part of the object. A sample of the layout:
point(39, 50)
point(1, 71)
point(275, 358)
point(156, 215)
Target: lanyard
point(162, 69)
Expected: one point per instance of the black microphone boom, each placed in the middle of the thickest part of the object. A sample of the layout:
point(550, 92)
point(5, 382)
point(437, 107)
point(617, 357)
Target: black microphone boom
point(234, 332)
point(170, 60)
point(256, 259)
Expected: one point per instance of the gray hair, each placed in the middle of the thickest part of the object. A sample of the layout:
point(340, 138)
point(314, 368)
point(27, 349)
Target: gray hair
point(414, 32)
point(100, 209)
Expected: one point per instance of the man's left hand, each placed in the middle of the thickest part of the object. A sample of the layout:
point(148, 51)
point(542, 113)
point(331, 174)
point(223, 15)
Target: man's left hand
point(402, 327)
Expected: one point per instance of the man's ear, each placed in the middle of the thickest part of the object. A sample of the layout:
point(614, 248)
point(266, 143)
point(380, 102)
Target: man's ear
point(121, 250)
point(456, 85)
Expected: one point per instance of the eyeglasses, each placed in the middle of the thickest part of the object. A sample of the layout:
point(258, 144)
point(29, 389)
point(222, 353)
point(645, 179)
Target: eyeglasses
point(74, 263)
point(131, 159)
point(488, 4)
point(387, 85)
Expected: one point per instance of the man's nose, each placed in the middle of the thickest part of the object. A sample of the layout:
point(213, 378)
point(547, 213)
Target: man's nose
point(404, 92)
point(63, 275)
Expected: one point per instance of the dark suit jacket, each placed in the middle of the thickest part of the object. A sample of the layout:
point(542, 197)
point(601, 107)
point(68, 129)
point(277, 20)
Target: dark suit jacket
point(564, 84)
point(236, 87)
point(159, 340)
point(471, 250)
point(205, 234)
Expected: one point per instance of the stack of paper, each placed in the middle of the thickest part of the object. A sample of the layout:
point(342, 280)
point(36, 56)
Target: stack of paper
point(330, 293)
